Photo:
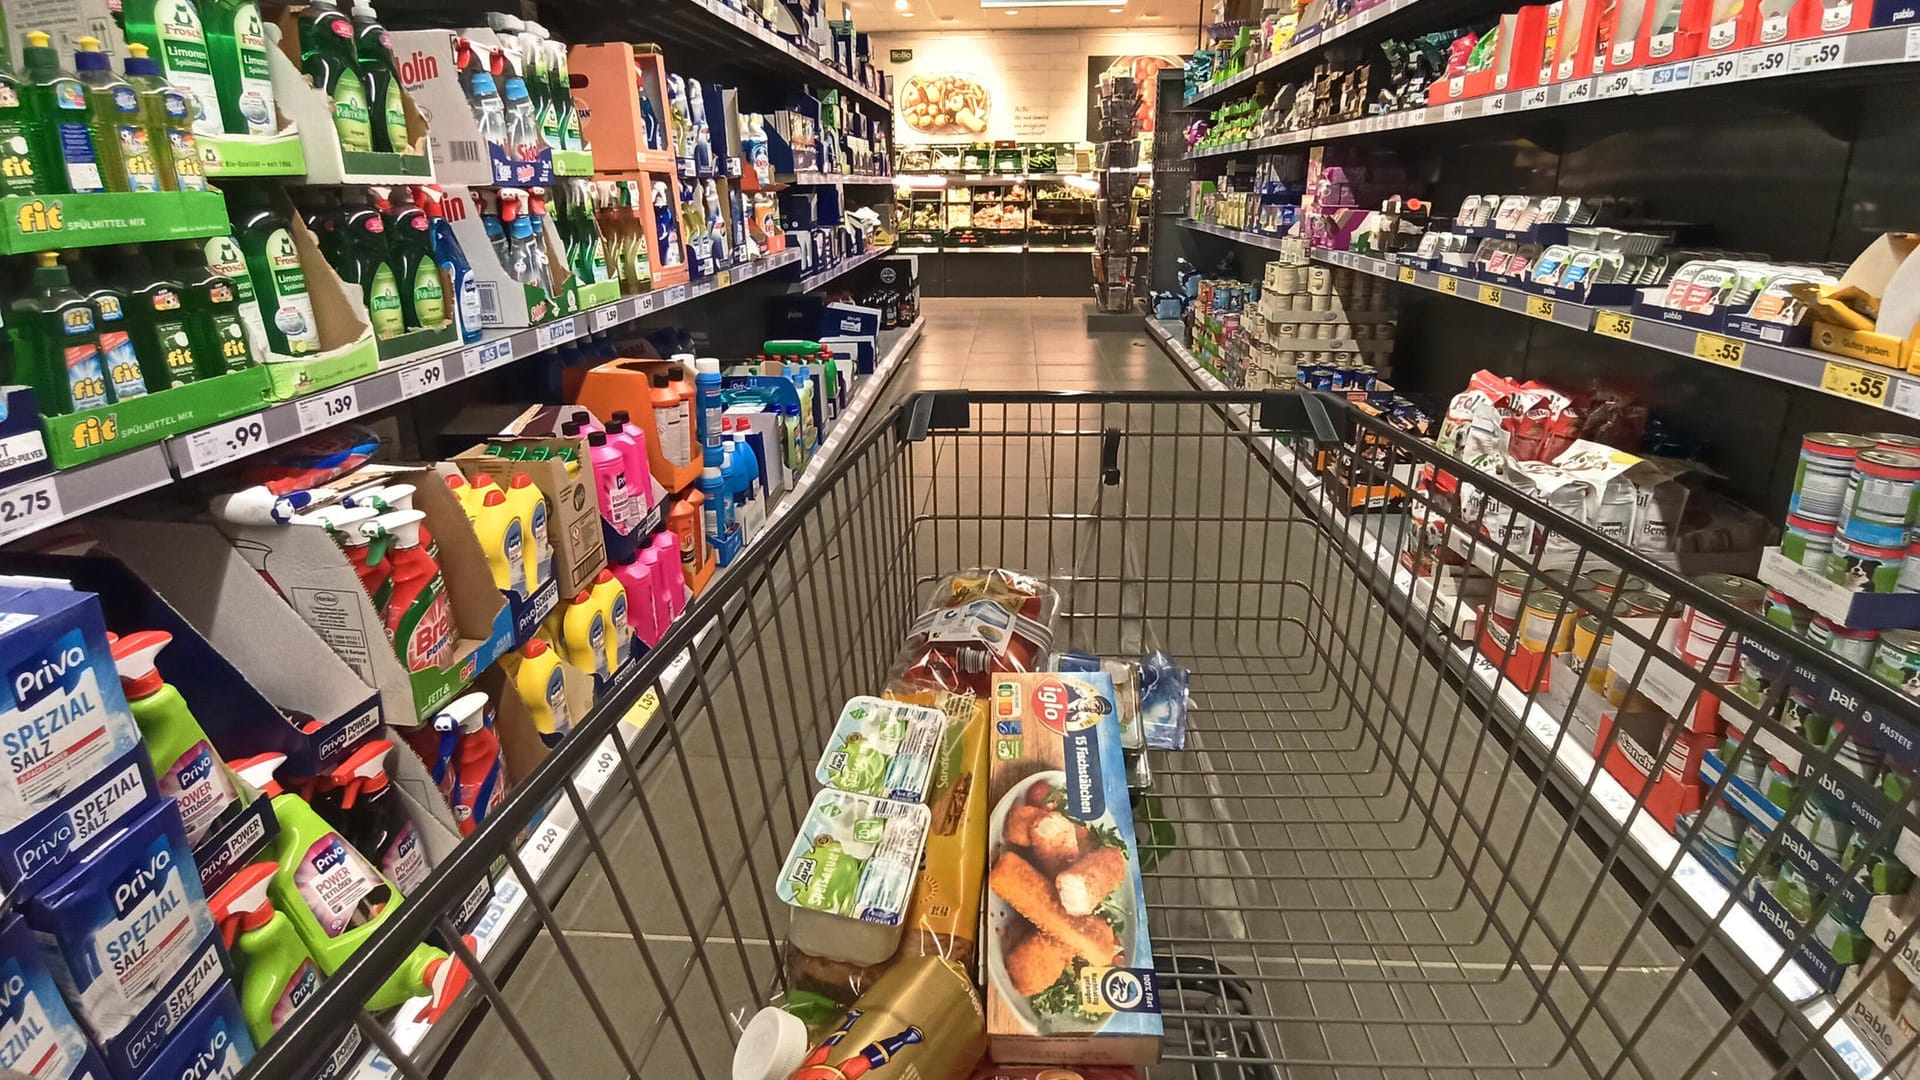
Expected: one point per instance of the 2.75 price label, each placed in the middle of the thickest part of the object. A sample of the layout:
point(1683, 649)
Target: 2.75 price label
point(29, 507)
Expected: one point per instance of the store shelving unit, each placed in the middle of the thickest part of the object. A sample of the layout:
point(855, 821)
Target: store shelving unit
point(724, 35)
point(845, 266)
point(1297, 51)
point(835, 180)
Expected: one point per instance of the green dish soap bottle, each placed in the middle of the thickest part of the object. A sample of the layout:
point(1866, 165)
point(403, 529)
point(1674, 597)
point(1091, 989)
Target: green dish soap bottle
point(120, 134)
point(386, 100)
point(329, 58)
point(223, 257)
point(171, 31)
point(56, 348)
point(57, 101)
point(273, 264)
point(423, 300)
point(169, 119)
point(214, 316)
point(277, 973)
point(364, 243)
point(20, 172)
point(158, 308)
point(126, 376)
point(237, 46)
point(336, 900)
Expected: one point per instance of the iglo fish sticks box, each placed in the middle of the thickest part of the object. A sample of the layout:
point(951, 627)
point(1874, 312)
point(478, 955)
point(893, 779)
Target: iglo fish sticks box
point(1069, 967)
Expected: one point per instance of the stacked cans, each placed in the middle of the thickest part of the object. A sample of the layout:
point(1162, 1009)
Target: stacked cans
point(1854, 508)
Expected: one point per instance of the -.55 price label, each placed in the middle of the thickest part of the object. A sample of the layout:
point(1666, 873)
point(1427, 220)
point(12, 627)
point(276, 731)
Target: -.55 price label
point(1449, 284)
point(1868, 387)
point(1613, 324)
point(1715, 349)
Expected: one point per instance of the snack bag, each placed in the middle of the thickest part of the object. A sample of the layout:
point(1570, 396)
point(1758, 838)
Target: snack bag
point(981, 620)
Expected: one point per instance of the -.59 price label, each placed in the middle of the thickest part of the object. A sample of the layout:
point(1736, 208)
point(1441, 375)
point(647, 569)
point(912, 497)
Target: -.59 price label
point(1859, 384)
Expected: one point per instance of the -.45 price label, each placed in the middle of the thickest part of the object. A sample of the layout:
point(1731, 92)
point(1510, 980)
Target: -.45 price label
point(1861, 385)
point(30, 506)
point(224, 442)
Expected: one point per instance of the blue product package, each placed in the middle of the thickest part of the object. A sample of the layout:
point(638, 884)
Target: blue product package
point(38, 1036)
point(63, 718)
point(41, 848)
point(211, 1044)
point(127, 934)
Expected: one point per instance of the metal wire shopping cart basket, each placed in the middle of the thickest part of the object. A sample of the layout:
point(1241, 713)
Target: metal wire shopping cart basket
point(1393, 846)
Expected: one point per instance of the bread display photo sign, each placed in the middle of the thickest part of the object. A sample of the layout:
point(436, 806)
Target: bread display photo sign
point(1069, 967)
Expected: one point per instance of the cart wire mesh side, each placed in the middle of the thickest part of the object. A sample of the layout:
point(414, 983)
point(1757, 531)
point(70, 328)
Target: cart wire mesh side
point(1363, 864)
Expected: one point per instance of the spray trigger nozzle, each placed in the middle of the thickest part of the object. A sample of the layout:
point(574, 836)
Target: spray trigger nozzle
point(135, 656)
point(445, 979)
point(258, 772)
point(242, 904)
point(364, 771)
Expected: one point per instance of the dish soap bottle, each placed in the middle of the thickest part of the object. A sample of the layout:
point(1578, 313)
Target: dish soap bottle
point(57, 101)
point(171, 31)
point(158, 315)
point(20, 172)
point(277, 973)
point(366, 262)
point(273, 265)
point(125, 375)
point(386, 101)
point(423, 296)
point(375, 822)
point(169, 119)
point(224, 257)
point(328, 57)
point(214, 318)
point(120, 136)
point(237, 46)
point(456, 273)
point(56, 348)
point(190, 770)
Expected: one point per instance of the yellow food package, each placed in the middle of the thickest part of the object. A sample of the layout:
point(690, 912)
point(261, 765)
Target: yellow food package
point(944, 915)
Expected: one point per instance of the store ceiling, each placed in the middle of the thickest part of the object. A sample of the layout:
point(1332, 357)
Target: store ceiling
point(934, 16)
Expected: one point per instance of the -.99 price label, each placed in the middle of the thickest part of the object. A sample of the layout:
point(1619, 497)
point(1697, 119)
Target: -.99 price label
point(1869, 387)
point(224, 442)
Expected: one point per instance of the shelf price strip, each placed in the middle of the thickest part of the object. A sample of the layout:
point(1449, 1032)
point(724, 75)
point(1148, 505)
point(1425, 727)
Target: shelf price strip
point(1859, 384)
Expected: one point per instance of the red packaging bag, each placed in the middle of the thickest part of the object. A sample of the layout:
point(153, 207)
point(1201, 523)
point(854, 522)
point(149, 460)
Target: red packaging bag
point(981, 620)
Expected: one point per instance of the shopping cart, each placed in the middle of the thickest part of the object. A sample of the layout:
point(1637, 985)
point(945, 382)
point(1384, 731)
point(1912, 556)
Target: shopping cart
point(1376, 856)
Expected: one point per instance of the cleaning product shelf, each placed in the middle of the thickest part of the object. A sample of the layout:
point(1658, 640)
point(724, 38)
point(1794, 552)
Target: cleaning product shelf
point(839, 180)
point(1005, 178)
point(812, 281)
point(1868, 384)
point(1844, 55)
point(1305, 48)
point(1265, 142)
point(1695, 897)
point(556, 849)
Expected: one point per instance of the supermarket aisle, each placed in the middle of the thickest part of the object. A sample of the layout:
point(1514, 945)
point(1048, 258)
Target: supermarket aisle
point(1030, 344)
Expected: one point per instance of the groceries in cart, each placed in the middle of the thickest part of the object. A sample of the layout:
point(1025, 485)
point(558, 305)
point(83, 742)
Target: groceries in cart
point(883, 748)
point(982, 621)
point(849, 874)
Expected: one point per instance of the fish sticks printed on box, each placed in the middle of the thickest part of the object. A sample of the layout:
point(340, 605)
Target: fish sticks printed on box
point(1069, 967)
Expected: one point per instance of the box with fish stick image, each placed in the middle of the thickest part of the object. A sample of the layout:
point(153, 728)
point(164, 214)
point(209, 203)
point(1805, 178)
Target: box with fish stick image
point(1069, 968)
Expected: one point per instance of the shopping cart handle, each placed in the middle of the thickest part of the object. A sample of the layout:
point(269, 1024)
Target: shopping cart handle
point(1299, 412)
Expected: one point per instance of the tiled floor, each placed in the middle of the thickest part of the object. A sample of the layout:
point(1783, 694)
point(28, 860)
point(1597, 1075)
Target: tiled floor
point(1021, 344)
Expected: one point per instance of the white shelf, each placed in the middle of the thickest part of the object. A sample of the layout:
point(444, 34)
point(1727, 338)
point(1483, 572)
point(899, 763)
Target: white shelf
point(766, 36)
point(1242, 236)
point(839, 180)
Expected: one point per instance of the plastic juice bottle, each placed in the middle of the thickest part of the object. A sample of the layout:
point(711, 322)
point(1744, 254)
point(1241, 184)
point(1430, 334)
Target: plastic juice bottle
point(214, 317)
point(465, 759)
point(125, 375)
point(336, 900)
point(670, 420)
point(504, 539)
point(57, 102)
point(543, 689)
point(225, 258)
point(329, 57)
point(120, 137)
point(636, 578)
point(423, 297)
point(420, 617)
point(529, 505)
point(157, 315)
point(585, 636)
point(237, 52)
point(168, 116)
point(173, 35)
point(273, 265)
point(666, 548)
point(610, 482)
point(386, 100)
point(707, 385)
point(189, 770)
point(610, 596)
point(276, 972)
point(56, 343)
point(375, 820)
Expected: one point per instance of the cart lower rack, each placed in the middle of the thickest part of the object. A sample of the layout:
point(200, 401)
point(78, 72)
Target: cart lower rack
point(1354, 869)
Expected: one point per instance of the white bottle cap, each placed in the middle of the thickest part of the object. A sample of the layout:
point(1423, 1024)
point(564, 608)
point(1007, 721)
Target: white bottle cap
point(711, 472)
point(364, 9)
point(772, 1046)
point(707, 365)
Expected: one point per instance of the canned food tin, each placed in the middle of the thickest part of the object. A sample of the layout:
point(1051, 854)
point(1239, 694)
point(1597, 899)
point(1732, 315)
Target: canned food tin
point(1641, 603)
point(1854, 646)
point(1865, 567)
point(1545, 625)
point(1909, 579)
point(1782, 786)
point(1704, 638)
point(1609, 580)
point(1755, 680)
point(1787, 613)
point(1721, 828)
point(1591, 653)
point(1856, 754)
point(1319, 281)
point(1506, 597)
point(1802, 714)
point(1883, 498)
point(1821, 477)
point(1896, 661)
point(1890, 440)
point(1743, 593)
point(1751, 841)
point(1745, 758)
point(1808, 541)
point(1822, 828)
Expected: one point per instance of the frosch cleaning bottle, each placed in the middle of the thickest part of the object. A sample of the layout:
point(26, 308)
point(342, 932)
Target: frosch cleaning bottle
point(190, 770)
point(172, 32)
point(237, 51)
point(277, 974)
point(273, 265)
point(375, 821)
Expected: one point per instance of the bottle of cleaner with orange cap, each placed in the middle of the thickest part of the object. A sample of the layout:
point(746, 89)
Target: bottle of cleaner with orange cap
point(585, 636)
point(419, 615)
point(189, 770)
point(373, 819)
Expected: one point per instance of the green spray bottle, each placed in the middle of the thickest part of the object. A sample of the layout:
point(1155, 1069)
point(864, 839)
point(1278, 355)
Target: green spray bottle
point(169, 119)
point(330, 59)
point(188, 768)
point(57, 102)
point(336, 900)
point(20, 173)
point(273, 264)
point(277, 973)
point(237, 48)
point(171, 31)
point(213, 314)
point(157, 314)
point(386, 101)
point(127, 377)
point(225, 258)
point(56, 348)
point(120, 135)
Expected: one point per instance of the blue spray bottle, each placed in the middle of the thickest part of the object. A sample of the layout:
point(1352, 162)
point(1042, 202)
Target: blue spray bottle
point(707, 386)
point(461, 284)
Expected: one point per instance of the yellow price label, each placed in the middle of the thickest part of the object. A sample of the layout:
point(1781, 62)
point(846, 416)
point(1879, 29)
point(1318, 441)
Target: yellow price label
point(1540, 307)
point(1859, 384)
point(1490, 295)
point(1406, 275)
point(643, 710)
point(1715, 349)
point(724, 279)
point(1613, 324)
point(1449, 284)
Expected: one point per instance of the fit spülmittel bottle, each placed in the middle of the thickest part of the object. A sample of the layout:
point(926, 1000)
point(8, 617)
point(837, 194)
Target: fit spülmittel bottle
point(169, 120)
point(172, 32)
point(237, 46)
point(386, 100)
point(120, 136)
point(126, 378)
point(57, 102)
point(273, 263)
point(20, 174)
point(157, 312)
point(56, 347)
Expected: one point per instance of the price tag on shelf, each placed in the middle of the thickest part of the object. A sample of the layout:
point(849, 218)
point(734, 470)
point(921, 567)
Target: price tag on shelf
point(701, 287)
point(1719, 69)
point(1406, 275)
point(643, 709)
point(645, 303)
point(604, 316)
point(1913, 43)
point(420, 378)
point(1760, 63)
point(1536, 98)
point(1715, 349)
point(1818, 54)
point(1613, 324)
point(1497, 103)
point(1580, 90)
point(1869, 387)
point(487, 354)
point(1671, 77)
point(1618, 84)
point(723, 279)
point(328, 407)
point(223, 442)
point(1448, 284)
point(1540, 307)
point(1490, 295)
point(1906, 398)
point(555, 333)
point(1456, 110)
point(29, 506)
point(677, 295)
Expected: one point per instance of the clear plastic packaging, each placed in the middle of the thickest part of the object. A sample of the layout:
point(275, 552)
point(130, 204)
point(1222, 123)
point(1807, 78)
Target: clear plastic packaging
point(981, 620)
point(1163, 701)
point(850, 874)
